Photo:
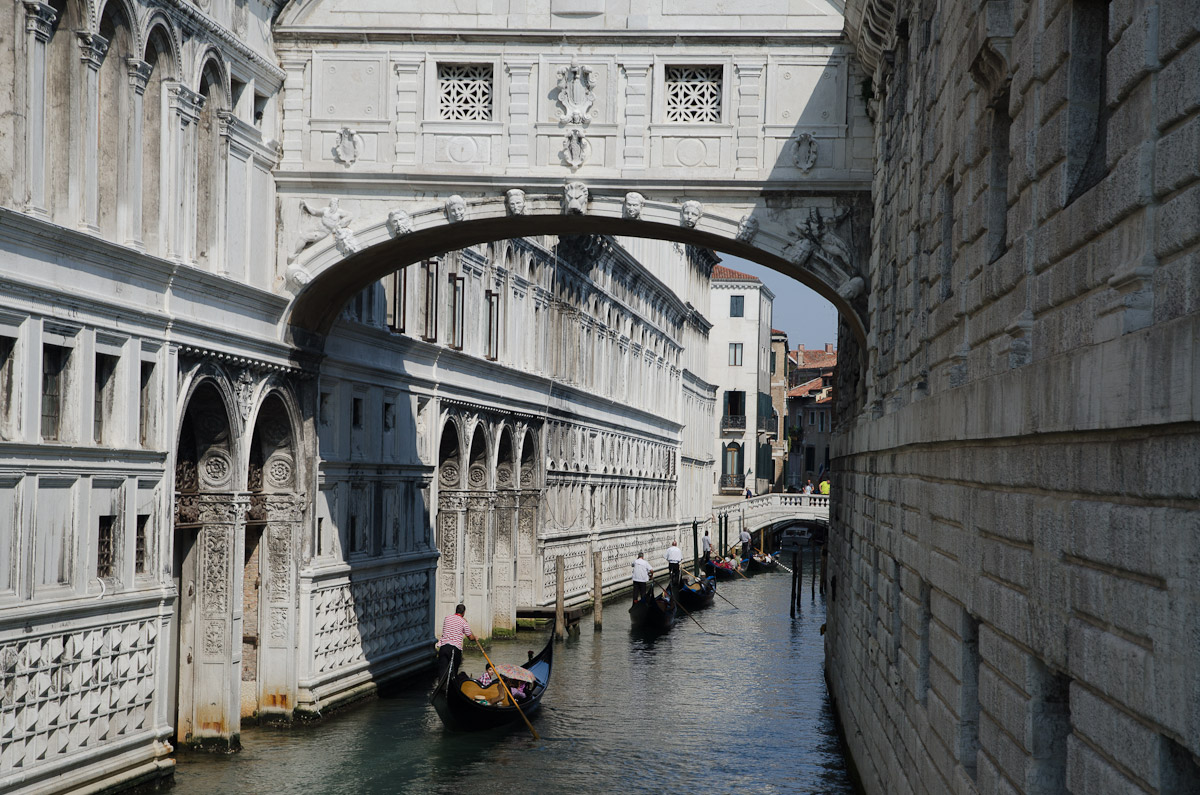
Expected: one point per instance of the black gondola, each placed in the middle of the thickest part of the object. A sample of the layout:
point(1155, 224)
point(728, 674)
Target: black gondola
point(759, 562)
point(697, 593)
point(465, 706)
point(653, 613)
point(731, 573)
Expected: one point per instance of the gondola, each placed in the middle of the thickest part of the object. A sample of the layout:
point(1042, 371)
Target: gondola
point(726, 570)
point(465, 706)
point(697, 593)
point(760, 562)
point(653, 613)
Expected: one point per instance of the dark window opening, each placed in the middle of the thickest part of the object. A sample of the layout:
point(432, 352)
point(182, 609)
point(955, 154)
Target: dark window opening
point(106, 368)
point(430, 269)
point(54, 363)
point(104, 546)
point(7, 356)
point(140, 543)
point(356, 412)
point(397, 300)
point(145, 403)
point(737, 305)
point(1087, 109)
point(458, 292)
point(493, 325)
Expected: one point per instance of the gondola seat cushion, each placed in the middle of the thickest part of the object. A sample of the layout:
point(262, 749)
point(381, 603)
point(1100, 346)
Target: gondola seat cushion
point(492, 694)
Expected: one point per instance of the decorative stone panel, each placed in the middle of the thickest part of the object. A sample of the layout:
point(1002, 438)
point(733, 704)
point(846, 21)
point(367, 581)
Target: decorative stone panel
point(369, 619)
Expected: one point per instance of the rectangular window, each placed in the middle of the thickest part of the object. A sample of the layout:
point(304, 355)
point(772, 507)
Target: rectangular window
point(820, 422)
point(735, 403)
point(146, 404)
point(693, 93)
point(465, 91)
point(54, 363)
point(737, 305)
point(810, 458)
point(397, 288)
point(493, 325)
point(7, 384)
point(735, 354)
point(1087, 108)
point(430, 269)
point(968, 705)
point(389, 416)
point(105, 557)
point(772, 362)
point(356, 412)
point(812, 418)
point(140, 543)
point(106, 368)
point(458, 291)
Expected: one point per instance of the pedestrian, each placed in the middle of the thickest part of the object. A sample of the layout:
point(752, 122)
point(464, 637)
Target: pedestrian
point(449, 646)
point(706, 546)
point(749, 492)
point(825, 486)
point(641, 577)
point(674, 558)
point(744, 537)
point(808, 487)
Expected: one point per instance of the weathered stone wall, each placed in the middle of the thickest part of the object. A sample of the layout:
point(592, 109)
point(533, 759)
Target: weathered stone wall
point(1015, 529)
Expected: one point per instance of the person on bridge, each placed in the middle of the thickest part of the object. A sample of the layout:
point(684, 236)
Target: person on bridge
point(674, 558)
point(449, 646)
point(744, 537)
point(749, 492)
point(641, 577)
point(808, 487)
point(706, 546)
point(825, 486)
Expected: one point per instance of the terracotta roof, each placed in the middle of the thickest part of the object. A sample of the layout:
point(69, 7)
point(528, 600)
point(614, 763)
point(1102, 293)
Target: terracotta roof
point(729, 274)
point(807, 359)
point(804, 389)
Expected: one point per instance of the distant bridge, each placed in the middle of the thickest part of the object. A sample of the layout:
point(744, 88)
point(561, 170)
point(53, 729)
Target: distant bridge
point(757, 513)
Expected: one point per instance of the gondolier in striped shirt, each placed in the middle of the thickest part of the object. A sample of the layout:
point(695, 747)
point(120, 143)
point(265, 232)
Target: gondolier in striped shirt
point(454, 629)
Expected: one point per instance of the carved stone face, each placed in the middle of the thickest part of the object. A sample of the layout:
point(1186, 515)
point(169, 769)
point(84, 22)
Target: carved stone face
point(747, 229)
point(514, 201)
point(575, 198)
point(633, 204)
point(456, 209)
point(399, 223)
point(690, 213)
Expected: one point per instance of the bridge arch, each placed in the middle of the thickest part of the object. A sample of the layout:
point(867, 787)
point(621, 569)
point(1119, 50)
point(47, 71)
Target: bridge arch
point(780, 234)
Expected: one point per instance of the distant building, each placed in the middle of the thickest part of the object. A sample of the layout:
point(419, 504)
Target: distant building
point(739, 366)
point(780, 370)
point(810, 414)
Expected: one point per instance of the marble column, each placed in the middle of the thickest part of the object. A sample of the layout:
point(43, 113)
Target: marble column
point(84, 177)
point(39, 25)
point(129, 218)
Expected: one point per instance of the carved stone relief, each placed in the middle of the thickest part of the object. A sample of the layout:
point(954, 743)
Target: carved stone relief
point(331, 219)
point(576, 148)
point(747, 229)
point(213, 642)
point(216, 469)
point(690, 212)
point(815, 237)
point(456, 209)
point(399, 223)
point(348, 147)
point(514, 201)
point(448, 539)
point(575, 198)
point(632, 207)
point(279, 563)
point(214, 572)
point(575, 93)
point(448, 474)
point(805, 154)
point(243, 390)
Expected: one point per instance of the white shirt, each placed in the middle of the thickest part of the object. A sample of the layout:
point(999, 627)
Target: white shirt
point(808, 489)
point(745, 536)
point(706, 544)
point(641, 570)
point(674, 554)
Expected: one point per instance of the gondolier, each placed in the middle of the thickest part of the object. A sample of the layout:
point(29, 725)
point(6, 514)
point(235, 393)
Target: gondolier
point(674, 558)
point(706, 546)
point(449, 646)
point(744, 537)
point(641, 577)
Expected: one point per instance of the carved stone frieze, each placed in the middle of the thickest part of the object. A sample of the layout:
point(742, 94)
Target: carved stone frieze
point(448, 539)
point(214, 570)
point(453, 501)
point(213, 640)
point(279, 562)
point(815, 238)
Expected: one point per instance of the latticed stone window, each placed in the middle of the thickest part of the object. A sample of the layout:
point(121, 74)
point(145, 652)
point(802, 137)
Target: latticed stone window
point(694, 93)
point(465, 91)
point(104, 546)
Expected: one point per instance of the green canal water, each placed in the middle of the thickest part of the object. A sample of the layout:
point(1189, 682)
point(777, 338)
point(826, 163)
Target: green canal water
point(746, 710)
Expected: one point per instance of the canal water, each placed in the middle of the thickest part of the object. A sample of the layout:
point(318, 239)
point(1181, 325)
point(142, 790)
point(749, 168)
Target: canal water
point(743, 709)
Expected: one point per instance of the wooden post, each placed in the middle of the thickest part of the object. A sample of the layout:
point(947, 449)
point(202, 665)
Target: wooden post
point(560, 576)
point(598, 602)
point(795, 575)
point(695, 548)
point(813, 587)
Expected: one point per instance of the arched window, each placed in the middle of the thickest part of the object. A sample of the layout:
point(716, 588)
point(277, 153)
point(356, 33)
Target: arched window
point(158, 58)
point(112, 146)
point(731, 462)
point(210, 169)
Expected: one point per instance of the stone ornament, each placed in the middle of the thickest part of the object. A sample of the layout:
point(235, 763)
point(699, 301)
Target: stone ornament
point(575, 198)
point(815, 237)
point(346, 243)
point(297, 276)
point(348, 147)
point(575, 95)
point(514, 201)
point(747, 229)
point(576, 148)
point(852, 289)
point(39, 20)
point(805, 155)
point(332, 220)
point(632, 208)
point(690, 212)
point(243, 390)
point(399, 223)
point(456, 209)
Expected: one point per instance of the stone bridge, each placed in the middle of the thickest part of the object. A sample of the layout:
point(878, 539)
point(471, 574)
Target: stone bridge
point(767, 510)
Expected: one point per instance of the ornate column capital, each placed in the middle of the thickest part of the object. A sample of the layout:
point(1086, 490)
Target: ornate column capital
point(39, 19)
point(139, 74)
point(185, 102)
point(92, 48)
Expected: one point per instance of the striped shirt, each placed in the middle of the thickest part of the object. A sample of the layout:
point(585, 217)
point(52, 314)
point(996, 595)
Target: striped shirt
point(454, 629)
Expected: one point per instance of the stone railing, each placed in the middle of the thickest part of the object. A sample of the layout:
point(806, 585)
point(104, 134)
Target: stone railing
point(767, 509)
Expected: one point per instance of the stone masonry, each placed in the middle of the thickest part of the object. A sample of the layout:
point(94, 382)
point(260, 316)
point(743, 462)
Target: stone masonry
point(1015, 530)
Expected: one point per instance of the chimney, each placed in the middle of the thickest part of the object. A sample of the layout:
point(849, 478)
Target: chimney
point(829, 347)
point(800, 349)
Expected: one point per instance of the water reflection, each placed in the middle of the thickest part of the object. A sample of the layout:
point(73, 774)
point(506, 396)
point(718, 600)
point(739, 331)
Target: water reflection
point(625, 712)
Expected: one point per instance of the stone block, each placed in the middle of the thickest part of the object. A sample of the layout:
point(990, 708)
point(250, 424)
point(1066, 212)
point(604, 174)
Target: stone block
point(1134, 53)
point(1178, 226)
point(1128, 742)
point(1178, 87)
point(1088, 771)
point(1177, 158)
point(1178, 23)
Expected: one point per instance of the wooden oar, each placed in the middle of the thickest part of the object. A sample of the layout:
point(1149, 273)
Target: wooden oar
point(780, 565)
point(718, 593)
point(509, 692)
point(693, 618)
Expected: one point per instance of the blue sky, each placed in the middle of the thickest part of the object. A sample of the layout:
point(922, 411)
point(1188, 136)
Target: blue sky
point(805, 316)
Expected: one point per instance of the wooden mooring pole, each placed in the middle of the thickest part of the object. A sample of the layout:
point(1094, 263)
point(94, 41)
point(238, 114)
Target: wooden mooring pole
point(795, 577)
point(695, 548)
point(813, 587)
point(598, 601)
point(560, 577)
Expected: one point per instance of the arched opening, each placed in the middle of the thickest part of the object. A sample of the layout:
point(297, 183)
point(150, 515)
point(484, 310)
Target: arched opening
point(210, 169)
point(63, 78)
point(160, 61)
point(269, 568)
point(733, 476)
point(504, 518)
point(206, 521)
point(478, 538)
point(529, 496)
point(112, 146)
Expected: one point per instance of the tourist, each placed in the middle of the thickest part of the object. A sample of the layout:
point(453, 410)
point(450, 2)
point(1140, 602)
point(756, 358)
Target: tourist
point(744, 537)
point(825, 486)
point(449, 646)
point(808, 487)
point(749, 492)
point(674, 558)
point(641, 577)
point(706, 546)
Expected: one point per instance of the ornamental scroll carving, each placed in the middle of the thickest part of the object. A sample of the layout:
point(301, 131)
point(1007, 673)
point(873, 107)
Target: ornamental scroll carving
point(348, 147)
point(214, 571)
point(575, 95)
point(805, 155)
point(279, 563)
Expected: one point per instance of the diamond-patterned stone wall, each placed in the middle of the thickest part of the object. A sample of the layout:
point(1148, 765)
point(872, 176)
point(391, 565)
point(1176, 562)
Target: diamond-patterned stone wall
point(368, 619)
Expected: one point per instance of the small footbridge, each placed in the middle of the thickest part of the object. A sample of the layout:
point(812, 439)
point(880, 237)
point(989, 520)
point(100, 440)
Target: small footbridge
point(775, 511)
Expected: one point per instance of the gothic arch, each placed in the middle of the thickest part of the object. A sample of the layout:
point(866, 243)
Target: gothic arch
point(479, 457)
point(450, 455)
point(114, 133)
point(506, 462)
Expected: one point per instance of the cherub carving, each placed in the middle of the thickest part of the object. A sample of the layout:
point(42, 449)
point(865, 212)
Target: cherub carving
point(332, 221)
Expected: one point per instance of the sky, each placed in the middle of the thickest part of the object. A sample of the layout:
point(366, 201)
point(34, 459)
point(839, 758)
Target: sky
point(807, 318)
